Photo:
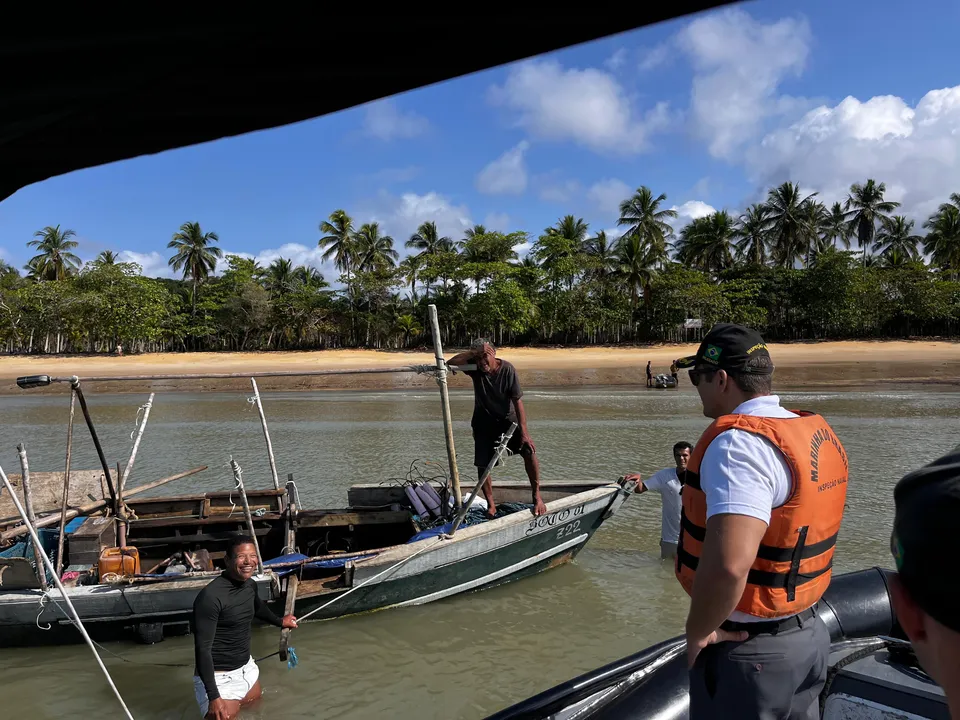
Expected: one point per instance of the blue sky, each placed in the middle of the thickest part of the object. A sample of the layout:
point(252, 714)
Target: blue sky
point(710, 109)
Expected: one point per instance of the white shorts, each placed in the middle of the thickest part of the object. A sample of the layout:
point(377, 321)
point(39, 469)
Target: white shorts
point(232, 684)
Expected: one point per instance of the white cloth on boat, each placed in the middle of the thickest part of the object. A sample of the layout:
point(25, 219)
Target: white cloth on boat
point(743, 473)
point(232, 684)
point(668, 485)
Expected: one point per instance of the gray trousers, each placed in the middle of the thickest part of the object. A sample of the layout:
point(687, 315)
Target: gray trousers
point(768, 676)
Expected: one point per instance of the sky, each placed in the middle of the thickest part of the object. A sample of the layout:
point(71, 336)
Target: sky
point(711, 110)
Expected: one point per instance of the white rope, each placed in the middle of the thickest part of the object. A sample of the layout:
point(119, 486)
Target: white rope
point(136, 421)
point(41, 604)
point(371, 579)
point(63, 592)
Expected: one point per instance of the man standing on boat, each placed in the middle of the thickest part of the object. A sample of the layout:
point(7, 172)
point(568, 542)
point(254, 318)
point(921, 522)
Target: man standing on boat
point(497, 403)
point(924, 546)
point(763, 499)
point(667, 482)
point(226, 676)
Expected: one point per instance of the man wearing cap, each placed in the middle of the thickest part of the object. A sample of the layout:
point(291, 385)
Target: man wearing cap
point(762, 500)
point(925, 547)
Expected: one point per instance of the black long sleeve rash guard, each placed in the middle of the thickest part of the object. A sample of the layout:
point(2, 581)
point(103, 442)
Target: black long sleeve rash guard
point(223, 615)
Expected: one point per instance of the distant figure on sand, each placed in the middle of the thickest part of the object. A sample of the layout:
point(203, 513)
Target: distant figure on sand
point(497, 403)
point(673, 372)
point(226, 676)
point(668, 482)
point(649, 375)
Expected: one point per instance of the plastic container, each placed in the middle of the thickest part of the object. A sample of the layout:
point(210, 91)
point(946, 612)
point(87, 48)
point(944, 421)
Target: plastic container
point(119, 561)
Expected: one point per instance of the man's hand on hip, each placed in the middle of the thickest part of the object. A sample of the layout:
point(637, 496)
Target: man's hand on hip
point(694, 646)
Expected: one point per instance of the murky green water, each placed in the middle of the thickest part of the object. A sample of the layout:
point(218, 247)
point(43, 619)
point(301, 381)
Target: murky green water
point(467, 656)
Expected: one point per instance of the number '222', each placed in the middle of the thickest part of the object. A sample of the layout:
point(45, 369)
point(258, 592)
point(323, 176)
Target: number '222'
point(568, 529)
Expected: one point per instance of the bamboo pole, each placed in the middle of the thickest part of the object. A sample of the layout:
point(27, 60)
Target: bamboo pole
point(31, 519)
point(136, 443)
point(93, 507)
point(63, 591)
point(66, 485)
point(75, 384)
point(238, 476)
point(445, 406)
point(266, 434)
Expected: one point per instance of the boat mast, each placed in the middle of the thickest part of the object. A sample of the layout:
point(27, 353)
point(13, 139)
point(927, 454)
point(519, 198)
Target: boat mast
point(445, 406)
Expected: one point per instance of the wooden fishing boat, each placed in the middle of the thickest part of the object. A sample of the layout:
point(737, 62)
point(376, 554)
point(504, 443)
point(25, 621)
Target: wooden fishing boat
point(374, 555)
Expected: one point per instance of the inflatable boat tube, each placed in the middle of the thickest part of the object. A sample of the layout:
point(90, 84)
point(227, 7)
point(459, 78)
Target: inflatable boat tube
point(415, 502)
point(653, 683)
point(430, 498)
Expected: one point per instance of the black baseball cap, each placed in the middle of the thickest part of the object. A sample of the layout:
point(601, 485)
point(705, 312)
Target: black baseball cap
point(729, 347)
point(924, 543)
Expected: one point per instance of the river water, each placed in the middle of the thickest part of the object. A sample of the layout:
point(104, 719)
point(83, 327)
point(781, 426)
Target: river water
point(467, 656)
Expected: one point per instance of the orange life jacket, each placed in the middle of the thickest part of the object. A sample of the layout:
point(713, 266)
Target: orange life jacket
point(794, 561)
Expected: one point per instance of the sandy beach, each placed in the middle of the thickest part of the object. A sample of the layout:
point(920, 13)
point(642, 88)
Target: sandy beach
point(798, 364)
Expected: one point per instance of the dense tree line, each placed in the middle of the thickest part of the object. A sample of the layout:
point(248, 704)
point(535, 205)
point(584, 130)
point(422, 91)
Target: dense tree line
point(785, 266)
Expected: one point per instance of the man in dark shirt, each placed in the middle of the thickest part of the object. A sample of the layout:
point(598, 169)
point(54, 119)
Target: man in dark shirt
point(226, 675)
point(497, 403)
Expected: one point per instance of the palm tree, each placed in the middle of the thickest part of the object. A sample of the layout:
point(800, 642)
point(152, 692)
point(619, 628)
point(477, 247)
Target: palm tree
point(896, 235)
point(373, 250)
point(835, 226)
point(280, 277)
point(706, 243)
point(603, 254)
point(195, 254)
point(943, 238)
point(644, 219)
point(54, 261)
point(339, 241)
point(752, 232)
point(636, 267)
point(790, 233)
point(471, 233)
point(559, 243)
point(410, 268)
point(428, 241)
point(865, 208)
point(107, 257)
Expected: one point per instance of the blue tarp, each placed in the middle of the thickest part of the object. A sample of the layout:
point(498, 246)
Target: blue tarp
point(298, 557)
point(472, 517)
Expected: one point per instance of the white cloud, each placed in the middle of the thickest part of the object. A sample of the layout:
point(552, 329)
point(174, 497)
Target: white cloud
point(561, 192)
point(401, 216)
point(587, 106)
point(499, 222)
point(507, 175)
point(691, 210)
point(608, 194)
point(739, 64)
point(152, 264)
point(654, 57)
point(385, 121)
point(617, 60)
point(914, 150)
point(522, 248)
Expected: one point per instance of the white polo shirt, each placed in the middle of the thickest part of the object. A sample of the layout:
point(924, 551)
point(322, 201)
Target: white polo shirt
point(743, 473)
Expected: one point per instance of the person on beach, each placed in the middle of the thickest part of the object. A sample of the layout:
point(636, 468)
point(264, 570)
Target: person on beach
point(924, 546)
point(649, 375)
point(497, 403)
point(763, 500)
point(673, 372)
point(226, 676)
point(667, 482)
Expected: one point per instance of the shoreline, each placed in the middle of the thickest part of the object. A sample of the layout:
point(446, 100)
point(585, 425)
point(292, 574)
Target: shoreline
point(801, 364)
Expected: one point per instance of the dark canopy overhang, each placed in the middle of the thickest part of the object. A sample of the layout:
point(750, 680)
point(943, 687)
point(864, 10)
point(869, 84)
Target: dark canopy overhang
point(91, 89)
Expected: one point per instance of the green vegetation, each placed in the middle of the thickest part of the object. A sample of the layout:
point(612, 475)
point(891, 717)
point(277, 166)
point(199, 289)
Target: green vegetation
point(785, 267)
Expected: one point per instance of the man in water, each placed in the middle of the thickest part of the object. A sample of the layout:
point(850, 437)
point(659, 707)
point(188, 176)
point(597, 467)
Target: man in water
point(226, 675)
point(667, 482)
point(763, 500)
point(925, 546)
point(497, 403)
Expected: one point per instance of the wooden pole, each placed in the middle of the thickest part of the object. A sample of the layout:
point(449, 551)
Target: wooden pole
point(445, 406)
point(293, 584)
point(66, 485)
point(63, 591)
point(266, 434)
point(38, 551)
point(95, 506)
point(96, 443)
point(238, 476)
point(136, 443)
